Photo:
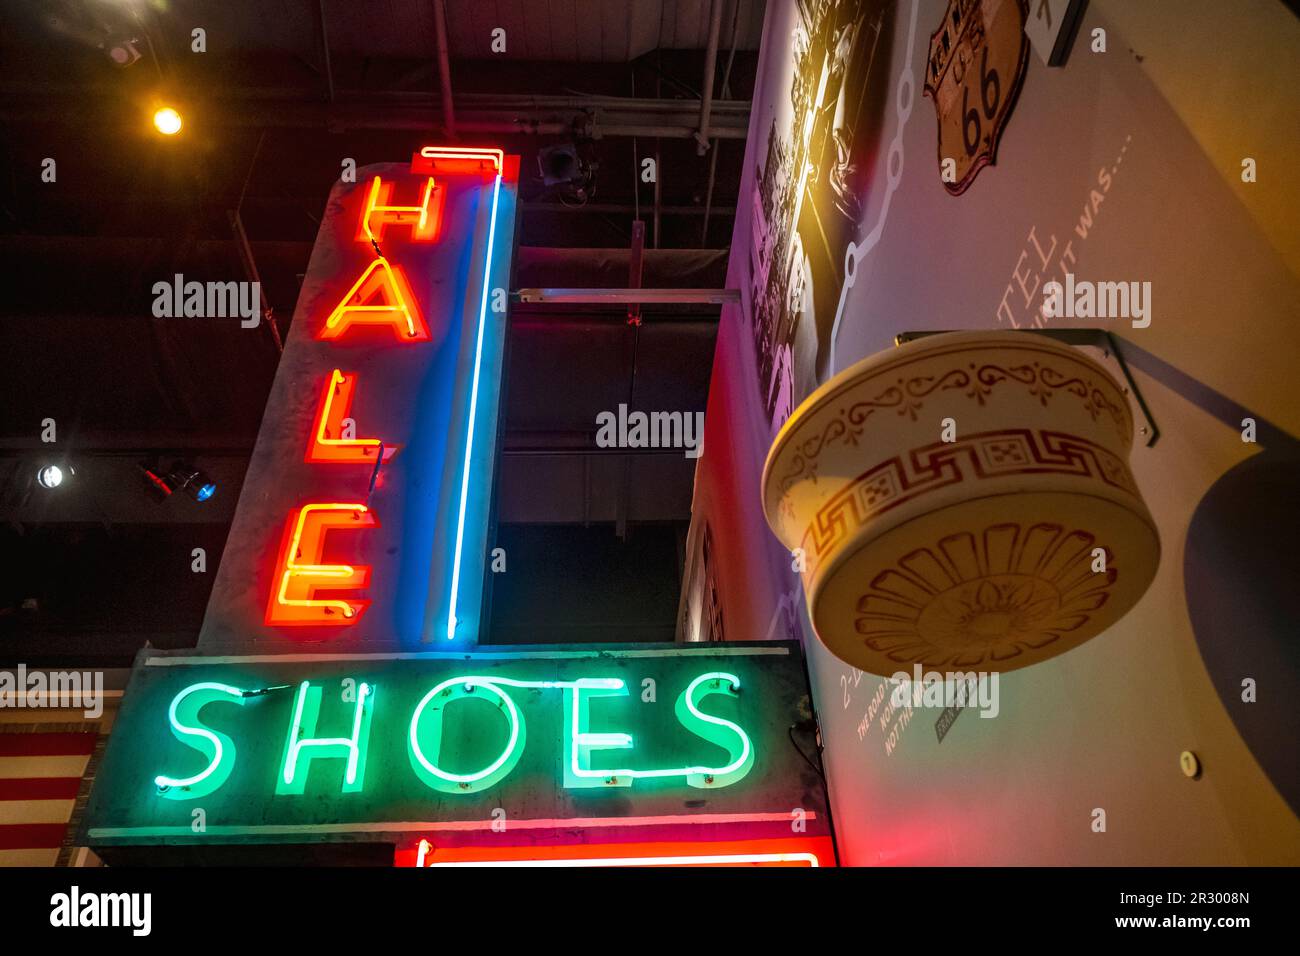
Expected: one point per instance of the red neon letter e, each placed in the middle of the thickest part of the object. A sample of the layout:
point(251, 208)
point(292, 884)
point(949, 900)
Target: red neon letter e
point(299, 575)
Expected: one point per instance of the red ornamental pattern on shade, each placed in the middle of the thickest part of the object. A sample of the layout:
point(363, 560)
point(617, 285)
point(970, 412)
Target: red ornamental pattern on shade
point(984, 455)
point(1032, 585)
point(907, 396)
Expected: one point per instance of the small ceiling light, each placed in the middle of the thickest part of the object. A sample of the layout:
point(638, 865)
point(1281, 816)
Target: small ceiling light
point(565, 171)
point(167, 121)
point(49, 476)
point(122, 50)
point(559, 164)
point(181, 476)
point(157, 484)
point(193, 482)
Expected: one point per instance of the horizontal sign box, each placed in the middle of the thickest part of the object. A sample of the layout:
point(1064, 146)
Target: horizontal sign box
point(502, 746)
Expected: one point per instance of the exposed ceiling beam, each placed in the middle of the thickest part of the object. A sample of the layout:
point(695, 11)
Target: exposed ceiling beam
point(710, 65)
point(595, 117)
point(630, 296)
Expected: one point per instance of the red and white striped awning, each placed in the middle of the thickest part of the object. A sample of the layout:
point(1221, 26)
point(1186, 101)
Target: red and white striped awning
point(40, 774)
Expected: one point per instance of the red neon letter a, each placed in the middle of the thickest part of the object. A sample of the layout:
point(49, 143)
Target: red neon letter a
point(397, 308)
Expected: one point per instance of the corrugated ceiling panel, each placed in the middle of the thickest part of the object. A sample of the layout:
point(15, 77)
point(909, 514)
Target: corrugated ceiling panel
point(589, 30)
point(378, 27)
point(556, 30)
point(279, 25)
point(521, 42)
point(616, 32)
point(643, 28)
point(564, 30)
point(690, 24)
point(540, 28)
point(482, 19)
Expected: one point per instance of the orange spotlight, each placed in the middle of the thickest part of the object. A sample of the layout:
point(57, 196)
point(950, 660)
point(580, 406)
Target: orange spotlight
point(167, 121)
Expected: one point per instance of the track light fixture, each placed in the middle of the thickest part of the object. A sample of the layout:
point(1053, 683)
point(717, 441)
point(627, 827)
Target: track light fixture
point(181, 475)
point(50, 476)
point(193, 482)
point(121, 50)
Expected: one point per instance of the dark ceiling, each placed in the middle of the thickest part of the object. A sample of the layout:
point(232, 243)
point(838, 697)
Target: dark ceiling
point(284, 92)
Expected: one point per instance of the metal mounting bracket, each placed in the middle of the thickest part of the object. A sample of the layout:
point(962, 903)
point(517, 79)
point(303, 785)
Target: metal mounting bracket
point(629, 296)
point(1108, 351)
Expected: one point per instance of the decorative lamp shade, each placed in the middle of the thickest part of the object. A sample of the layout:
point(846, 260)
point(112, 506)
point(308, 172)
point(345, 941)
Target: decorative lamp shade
point(1021, 537)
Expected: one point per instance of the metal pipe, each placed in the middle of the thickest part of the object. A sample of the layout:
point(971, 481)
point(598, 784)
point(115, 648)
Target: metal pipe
point(379, 112)
point(325, 50)
point(250, 269)
point(710, 65)
point(444, 69)
point(635, 262)
point(713, 160)
point(659, 178)
point(597, 130)
point(612, 208)
point(591, 451)
point(532, 101)
point(132, 445)
point(233, 95)
point(708, 196)
point(293, 116)
point(667, 132)
point(712, 296)
point(526, 319)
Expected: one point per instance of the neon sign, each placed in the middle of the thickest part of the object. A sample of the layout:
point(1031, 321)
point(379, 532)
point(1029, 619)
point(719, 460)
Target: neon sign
point(797, 852)
point(632, 743)
point(216, 747)
point(397, 309)
point(473, 411)
point(329, 442)
point(459, 158)
point(295, 601)
point(352, 748)
point(426, 736)
point(425, 219)
point(382, 418)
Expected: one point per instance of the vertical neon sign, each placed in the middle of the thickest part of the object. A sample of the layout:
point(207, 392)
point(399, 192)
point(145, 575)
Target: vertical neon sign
point(318, 580)
point(302, 573)
point(330, 441)
point(469, 159)
point(473, 410)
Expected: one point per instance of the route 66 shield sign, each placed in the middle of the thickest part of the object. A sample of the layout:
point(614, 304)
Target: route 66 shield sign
point(976, 66)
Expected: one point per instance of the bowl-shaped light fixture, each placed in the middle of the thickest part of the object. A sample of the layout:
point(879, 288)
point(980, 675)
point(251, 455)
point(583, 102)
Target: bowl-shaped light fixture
point(963, 502)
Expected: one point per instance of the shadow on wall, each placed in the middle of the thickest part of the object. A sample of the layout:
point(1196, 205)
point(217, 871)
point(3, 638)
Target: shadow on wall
point(1240, 571)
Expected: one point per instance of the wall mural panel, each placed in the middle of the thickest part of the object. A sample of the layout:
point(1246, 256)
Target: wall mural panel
point(853, 236)
point(811, 188)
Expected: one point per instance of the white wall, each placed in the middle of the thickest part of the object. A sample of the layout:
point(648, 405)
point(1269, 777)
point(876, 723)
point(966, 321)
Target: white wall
point(1103, 725)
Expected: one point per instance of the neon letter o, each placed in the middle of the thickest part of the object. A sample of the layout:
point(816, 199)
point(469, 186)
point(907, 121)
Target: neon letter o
point(459, 688)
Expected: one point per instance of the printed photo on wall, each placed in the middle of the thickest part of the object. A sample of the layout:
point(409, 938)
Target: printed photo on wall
point(812, 188)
